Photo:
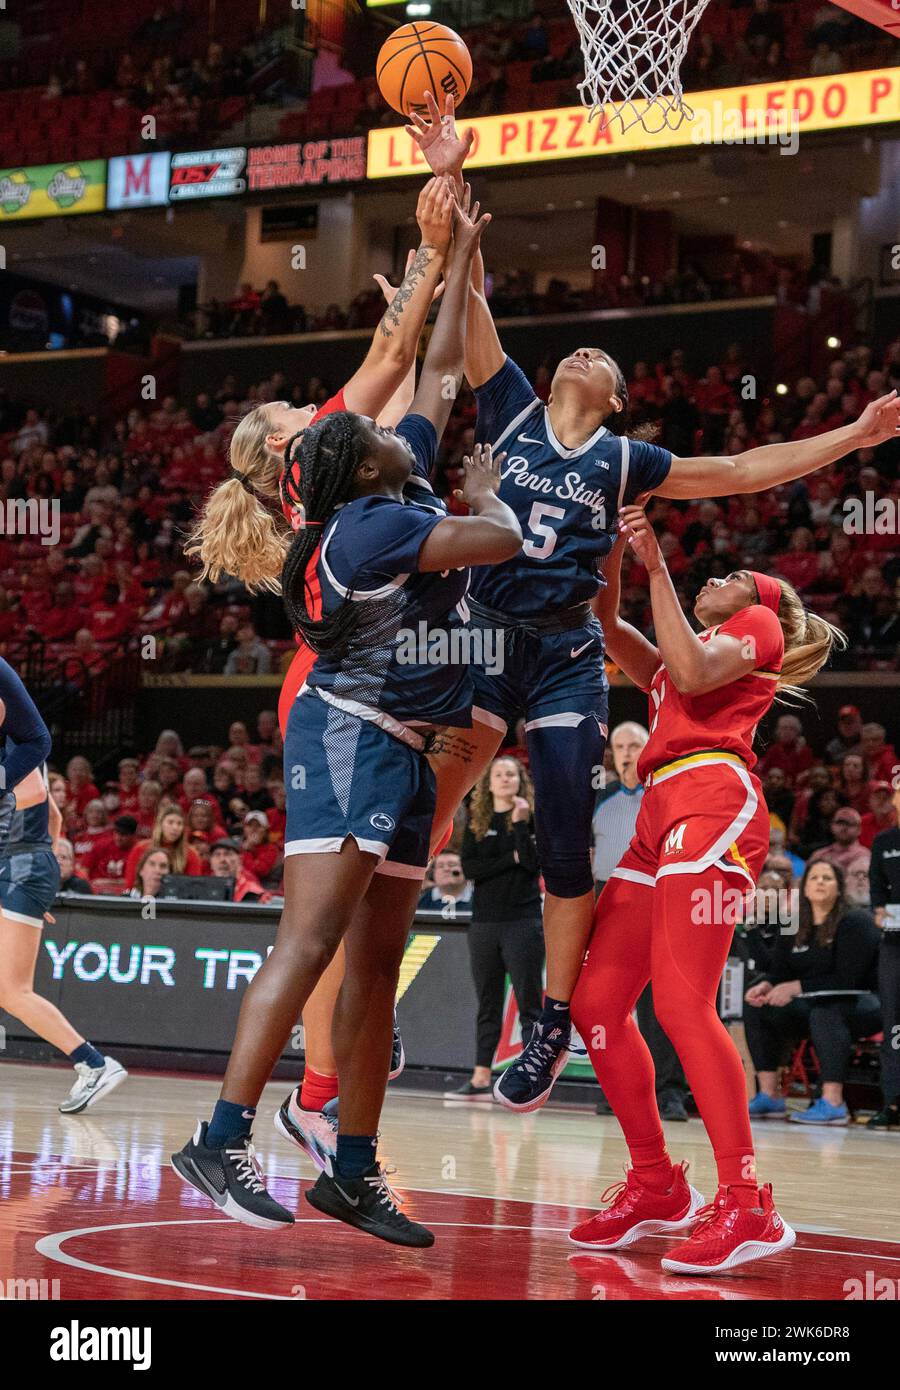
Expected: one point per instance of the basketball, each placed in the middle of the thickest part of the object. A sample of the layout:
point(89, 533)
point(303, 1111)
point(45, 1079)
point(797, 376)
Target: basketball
point(419, 58)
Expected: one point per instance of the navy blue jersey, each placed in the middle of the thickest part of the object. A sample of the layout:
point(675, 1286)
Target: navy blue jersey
point(408, 654)
point(566, 500)
point(26, 743)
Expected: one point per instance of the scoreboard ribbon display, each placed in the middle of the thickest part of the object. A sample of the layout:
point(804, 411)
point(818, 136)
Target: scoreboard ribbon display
point(208, 174)
point(52, 190)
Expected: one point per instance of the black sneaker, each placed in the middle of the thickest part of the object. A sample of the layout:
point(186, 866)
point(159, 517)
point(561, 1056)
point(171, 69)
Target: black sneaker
point(370, 1204)
point(888, 1118)
point(528, 1081)
point(233, 1179)
point(398, 1056)
point(470, 1091)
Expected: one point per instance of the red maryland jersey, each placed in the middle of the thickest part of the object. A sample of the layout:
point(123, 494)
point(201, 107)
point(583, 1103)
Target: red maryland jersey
point(725, 718)
point(304, 659)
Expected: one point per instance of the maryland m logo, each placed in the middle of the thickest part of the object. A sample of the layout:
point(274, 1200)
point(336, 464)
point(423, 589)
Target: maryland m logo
point(674, 842)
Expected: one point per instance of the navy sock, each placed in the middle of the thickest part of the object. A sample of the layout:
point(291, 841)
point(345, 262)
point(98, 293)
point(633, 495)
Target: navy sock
point(229, 1121)
point(355, 1154)
point(555, 1012)
point(87, 1052)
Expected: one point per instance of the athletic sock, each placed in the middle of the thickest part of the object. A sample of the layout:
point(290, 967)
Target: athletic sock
point(355, 1154)
point(651, 1162)
point(317, 1089)
point(230, 1121)
point(555, 1013)
point(87, 1052)
point(737, 1171)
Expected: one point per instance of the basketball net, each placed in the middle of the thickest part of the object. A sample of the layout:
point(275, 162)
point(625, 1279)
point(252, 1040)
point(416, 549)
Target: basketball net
point(633, 51)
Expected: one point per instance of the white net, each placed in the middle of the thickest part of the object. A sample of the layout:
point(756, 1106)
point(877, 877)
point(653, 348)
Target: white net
point(633, 51)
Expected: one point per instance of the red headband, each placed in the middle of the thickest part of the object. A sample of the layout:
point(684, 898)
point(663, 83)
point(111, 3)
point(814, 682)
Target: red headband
point(769, 590)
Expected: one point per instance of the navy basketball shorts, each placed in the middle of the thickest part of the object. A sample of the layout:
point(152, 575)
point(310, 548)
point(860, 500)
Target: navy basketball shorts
point(29, 883)
point(557, 681)
point(346, 776)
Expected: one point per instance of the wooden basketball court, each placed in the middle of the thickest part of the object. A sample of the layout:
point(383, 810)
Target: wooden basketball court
point(92, 1203)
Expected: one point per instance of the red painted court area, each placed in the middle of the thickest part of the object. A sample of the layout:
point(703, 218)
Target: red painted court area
point(123, 1232)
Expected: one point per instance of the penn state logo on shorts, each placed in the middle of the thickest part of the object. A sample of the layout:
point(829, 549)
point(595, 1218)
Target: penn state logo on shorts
point(382, 821)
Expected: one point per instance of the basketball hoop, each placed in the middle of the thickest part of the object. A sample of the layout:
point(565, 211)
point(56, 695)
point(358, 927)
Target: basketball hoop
point(633, 51)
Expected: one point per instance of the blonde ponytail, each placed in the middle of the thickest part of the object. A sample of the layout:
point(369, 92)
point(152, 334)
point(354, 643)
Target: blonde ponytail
point(808, 642)
point(236, 533)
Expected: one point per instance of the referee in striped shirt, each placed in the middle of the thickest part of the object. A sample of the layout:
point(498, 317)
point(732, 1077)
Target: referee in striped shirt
point(615, 815)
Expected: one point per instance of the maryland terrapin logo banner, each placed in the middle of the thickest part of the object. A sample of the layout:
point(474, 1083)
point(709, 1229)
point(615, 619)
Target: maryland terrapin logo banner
point(52, 190)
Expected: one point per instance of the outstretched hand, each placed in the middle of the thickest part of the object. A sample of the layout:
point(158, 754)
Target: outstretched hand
point(389, 290)
point(437, 138)
point(879, 421)
point(640, 537)
point(482, 475)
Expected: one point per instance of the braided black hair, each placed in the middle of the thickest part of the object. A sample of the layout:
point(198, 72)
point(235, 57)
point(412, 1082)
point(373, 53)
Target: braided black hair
point(618, 422)
point(318, 479)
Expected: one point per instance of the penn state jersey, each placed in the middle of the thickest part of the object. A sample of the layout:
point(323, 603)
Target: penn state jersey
point(409, 653)
point(31, 826)
point(566, 500)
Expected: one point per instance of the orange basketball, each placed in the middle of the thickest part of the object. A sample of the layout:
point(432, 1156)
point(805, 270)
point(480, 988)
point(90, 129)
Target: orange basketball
point(422, 57)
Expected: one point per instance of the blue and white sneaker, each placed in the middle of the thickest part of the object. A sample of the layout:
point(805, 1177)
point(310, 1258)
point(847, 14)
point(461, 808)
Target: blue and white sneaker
point(821, 1113)
point(763, 1107)
point(528, 1081)
point(398, 1056)
point(313, 1131)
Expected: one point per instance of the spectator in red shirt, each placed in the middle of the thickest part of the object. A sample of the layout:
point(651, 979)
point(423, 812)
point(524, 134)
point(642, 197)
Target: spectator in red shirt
point(63, 619)
point(129, 786)
point(195, 788)
point(258, 855)
point(277, 813)
point(149, 793)
point(880, 756)
point(106, 864)
point(170, 834)
point(169, 745)
point(880, 815)
point(225, 862)
point(111, 619)
point(203, 819)
point(800, 565)
point(168, 775)
point(96, 830)
point(790, 751)
point(81, 786)
point(853, 782)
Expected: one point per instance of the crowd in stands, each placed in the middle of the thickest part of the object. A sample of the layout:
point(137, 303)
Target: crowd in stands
point(126, 495)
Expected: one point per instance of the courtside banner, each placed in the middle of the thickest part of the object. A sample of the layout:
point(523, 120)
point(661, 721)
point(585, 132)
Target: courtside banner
point(52, 190)
point(138, 180)
point(765, 113)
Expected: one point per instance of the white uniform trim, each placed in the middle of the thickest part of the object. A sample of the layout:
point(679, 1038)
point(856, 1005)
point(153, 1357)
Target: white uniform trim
point(21, 917)
point(734, 830)
point(333, 844)
point(390, 869)
point(623, 478)
point(561, 448)
point(386, 722)
point(514, 424)
point(567, 720)
point(633, 876)
point(358, 595)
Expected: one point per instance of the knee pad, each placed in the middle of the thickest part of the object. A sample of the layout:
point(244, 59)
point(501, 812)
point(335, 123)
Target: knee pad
point(566, 761)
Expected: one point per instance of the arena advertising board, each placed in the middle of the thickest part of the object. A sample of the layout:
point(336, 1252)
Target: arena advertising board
point(764, 113)
point(52, 190)
point(208, 174)
point(138, 180)
point(306, 165)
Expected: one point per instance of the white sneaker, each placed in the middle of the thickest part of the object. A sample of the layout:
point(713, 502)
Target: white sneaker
point(313, 1131)
point(92, 1083)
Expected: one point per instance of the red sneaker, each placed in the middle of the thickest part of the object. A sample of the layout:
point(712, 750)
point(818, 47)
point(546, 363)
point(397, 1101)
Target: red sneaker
point(636, 1211)
point(731, 1235)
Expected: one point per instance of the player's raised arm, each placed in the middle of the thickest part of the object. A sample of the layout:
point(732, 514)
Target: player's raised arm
point(393, 350)
point(632, 652)
point(694, 666)
point(442, 371)
point(757, 470)
point(489, 536)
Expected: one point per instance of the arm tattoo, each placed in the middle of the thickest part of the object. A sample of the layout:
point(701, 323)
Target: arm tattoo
point(391, 318)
